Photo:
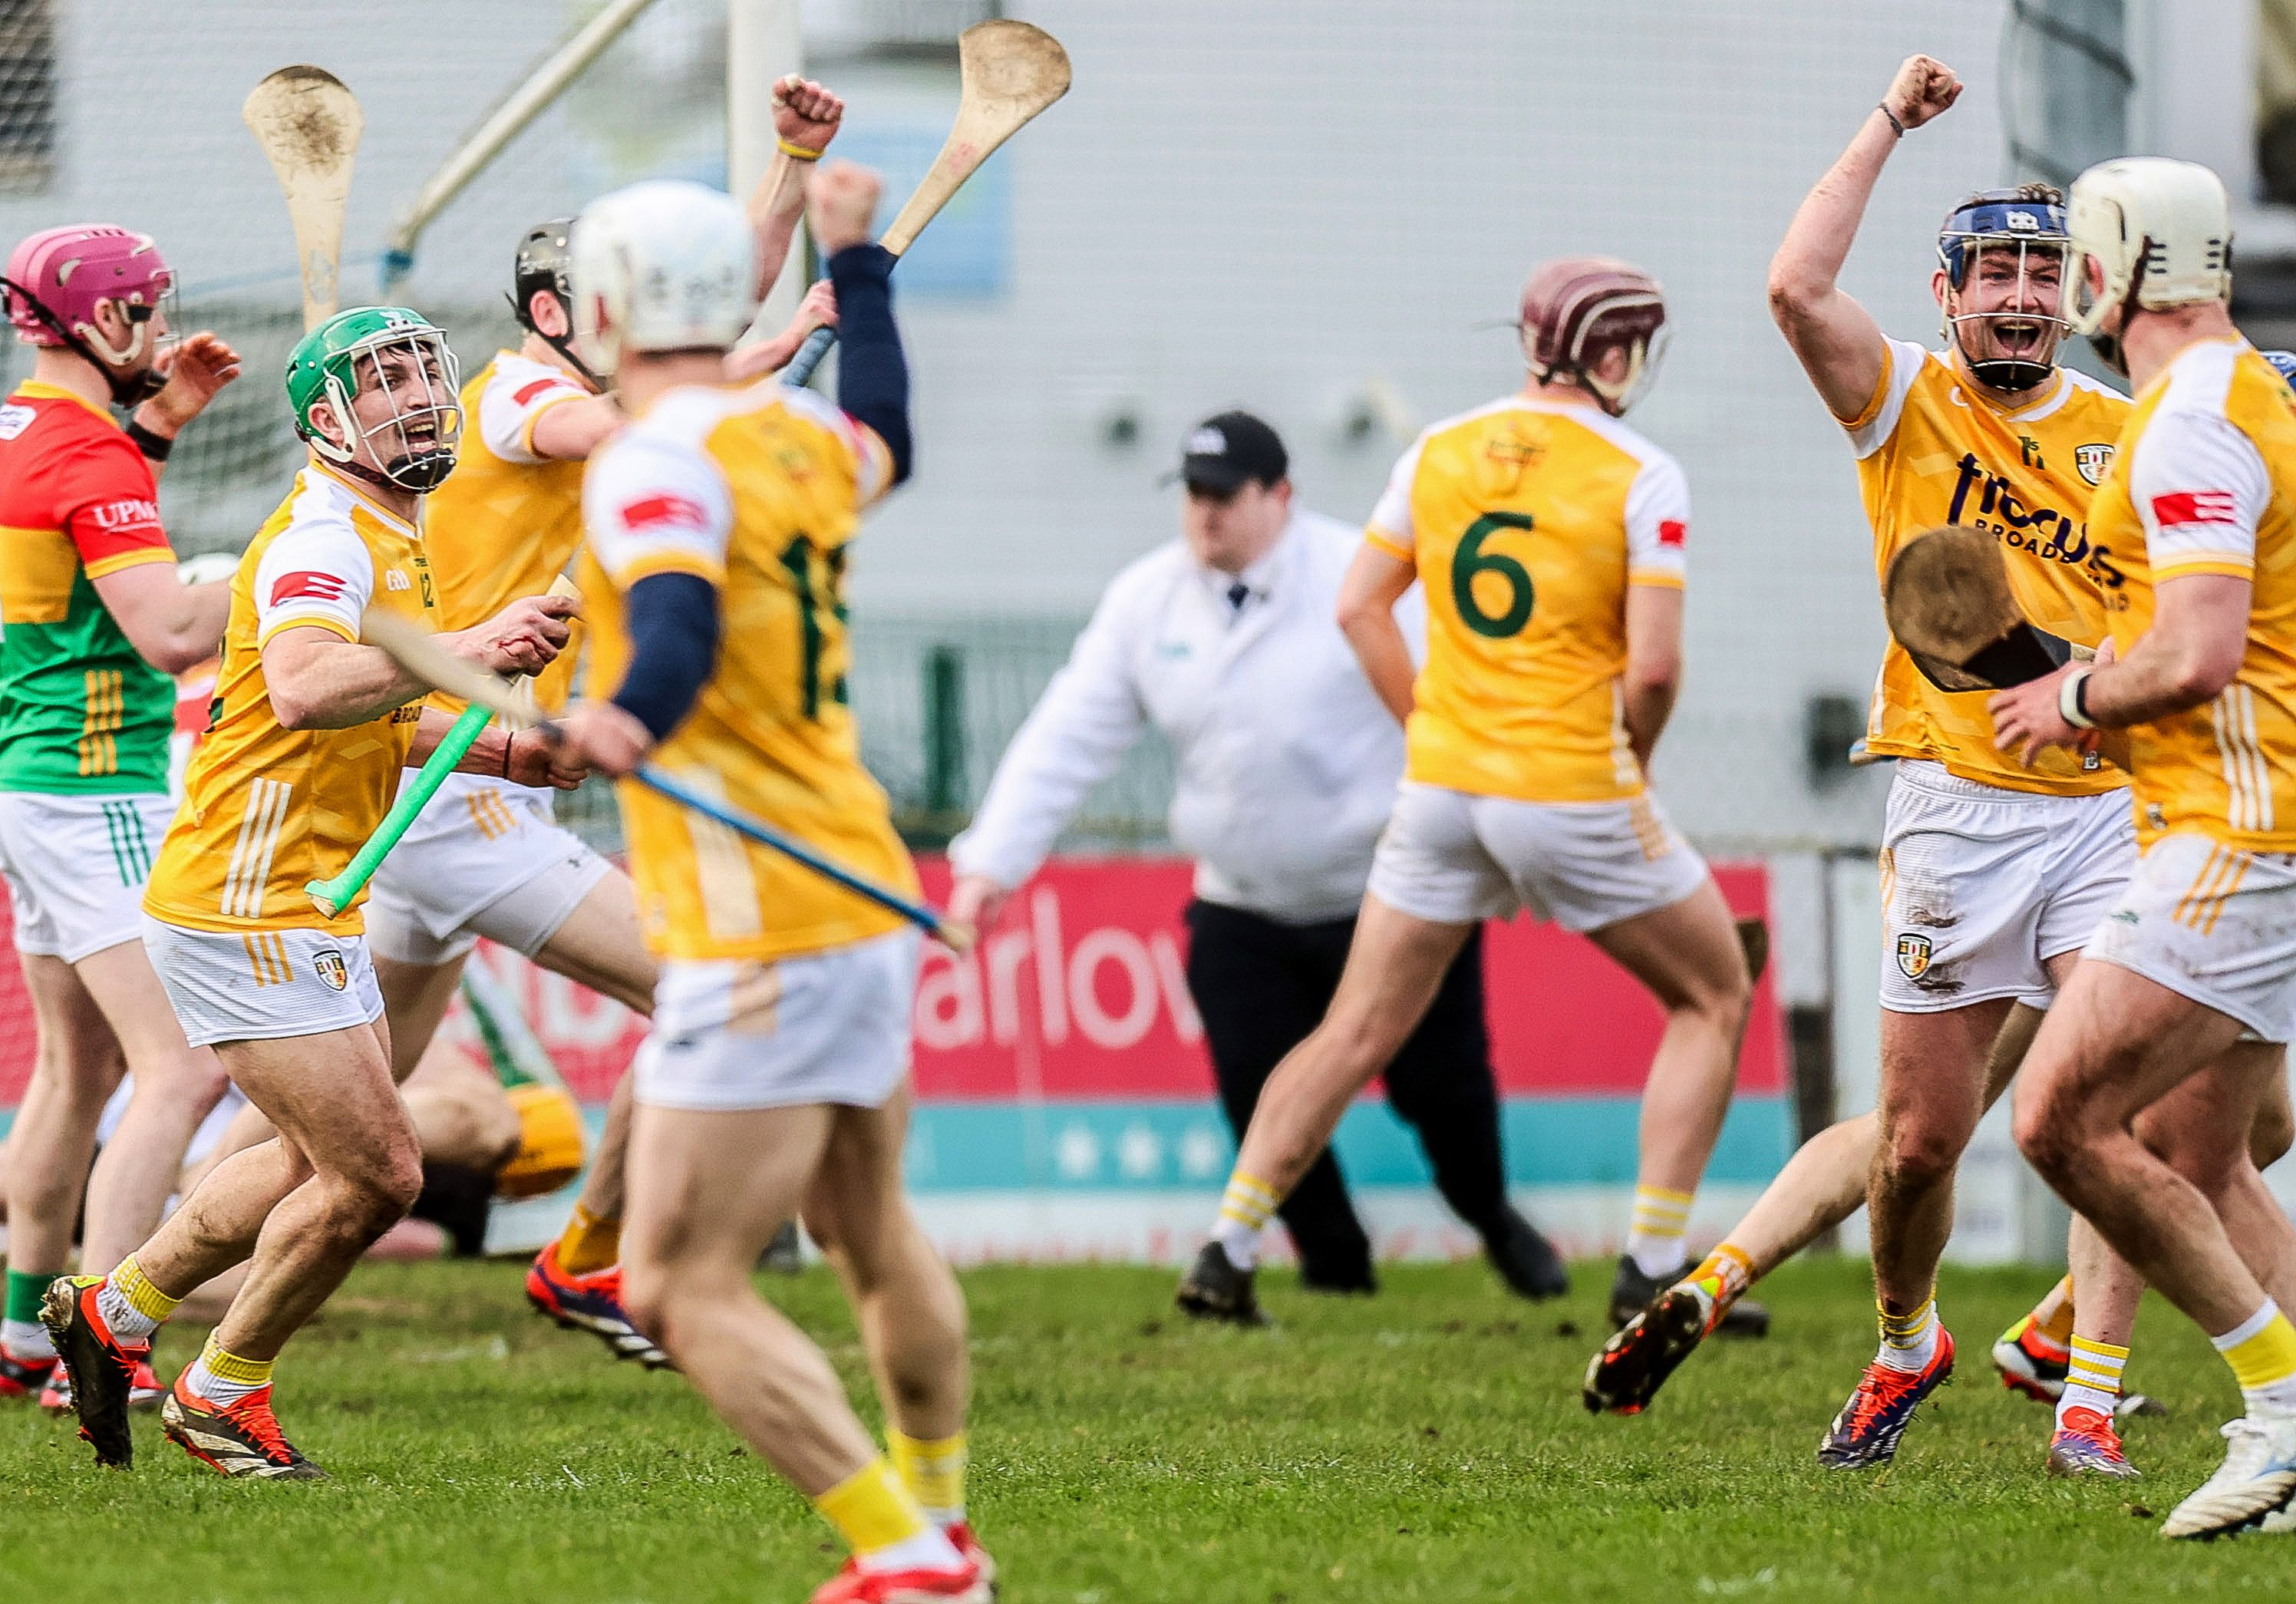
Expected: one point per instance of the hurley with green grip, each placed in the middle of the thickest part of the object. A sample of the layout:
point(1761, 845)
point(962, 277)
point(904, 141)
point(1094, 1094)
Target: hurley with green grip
point(332, 896)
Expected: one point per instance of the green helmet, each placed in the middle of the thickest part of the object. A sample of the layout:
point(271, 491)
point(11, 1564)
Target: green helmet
point(413, 449)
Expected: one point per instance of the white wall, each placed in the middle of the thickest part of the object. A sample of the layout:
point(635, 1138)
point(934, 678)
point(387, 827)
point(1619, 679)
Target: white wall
point(1271, 204)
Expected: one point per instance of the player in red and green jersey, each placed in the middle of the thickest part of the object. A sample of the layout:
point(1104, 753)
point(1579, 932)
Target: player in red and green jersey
point(95, 621)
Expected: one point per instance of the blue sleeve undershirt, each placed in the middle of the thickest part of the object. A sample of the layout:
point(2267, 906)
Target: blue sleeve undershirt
point(873, 376)
point(673, 625)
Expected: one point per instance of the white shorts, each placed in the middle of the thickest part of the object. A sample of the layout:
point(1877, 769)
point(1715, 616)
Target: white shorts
point(1982, 886)
point(830, 1027)
point(76, 867)
point(2214, 924)
point(484, 858)
point(260, 985)
point(1456, 859)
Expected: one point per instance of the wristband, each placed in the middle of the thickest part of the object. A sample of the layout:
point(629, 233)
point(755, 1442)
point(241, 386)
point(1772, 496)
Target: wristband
point(2073, 700)
point(798, 152)
point(509, 739)
point(1892, 116)
point(154, 446)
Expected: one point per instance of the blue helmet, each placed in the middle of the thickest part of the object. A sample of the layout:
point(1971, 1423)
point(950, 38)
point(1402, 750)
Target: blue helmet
point(2021, 351)
point(2283, 363)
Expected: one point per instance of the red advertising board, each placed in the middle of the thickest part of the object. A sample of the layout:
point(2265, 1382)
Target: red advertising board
point(1080, 995)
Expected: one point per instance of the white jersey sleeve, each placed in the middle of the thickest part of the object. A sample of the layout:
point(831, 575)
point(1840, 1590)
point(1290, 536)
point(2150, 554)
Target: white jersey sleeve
point(316, 573)
point(516, 394)
point(1657, 524)
point(1389, 526)
point(656, 504)
point(2200, 486)
point(1901, 365)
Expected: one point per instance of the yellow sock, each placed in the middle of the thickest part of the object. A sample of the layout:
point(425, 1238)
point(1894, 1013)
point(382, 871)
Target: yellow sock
point(2262, 1352)
point(221, 1377)
point(590, 1242)
point(132, 1307)
point(933, 1471)
point(1722, 1275)
point(872, 1510)
point(2058, 1327)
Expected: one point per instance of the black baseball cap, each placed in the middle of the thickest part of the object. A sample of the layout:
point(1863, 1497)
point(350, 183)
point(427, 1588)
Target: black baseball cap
point(1229, 449)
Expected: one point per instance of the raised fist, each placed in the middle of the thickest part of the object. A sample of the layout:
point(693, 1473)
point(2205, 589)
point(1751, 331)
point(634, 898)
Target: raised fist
point(1922, 89)
point(805, 114)
point(843, 205)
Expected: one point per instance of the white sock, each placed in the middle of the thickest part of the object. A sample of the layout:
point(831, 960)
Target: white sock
point(1654, 1238)
point(2263, 1391)
point(27, 1340)
point(2092, 1378)
point(1909, 1341)
point(128, 1323)
point(929, 1550)
point(1244, 1209)
point(201, 1382)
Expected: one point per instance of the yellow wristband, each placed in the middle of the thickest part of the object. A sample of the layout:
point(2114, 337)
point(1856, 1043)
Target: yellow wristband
point(798, 152)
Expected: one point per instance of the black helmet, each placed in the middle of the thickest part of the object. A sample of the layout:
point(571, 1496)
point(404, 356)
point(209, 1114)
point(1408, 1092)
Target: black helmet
point(543, 263)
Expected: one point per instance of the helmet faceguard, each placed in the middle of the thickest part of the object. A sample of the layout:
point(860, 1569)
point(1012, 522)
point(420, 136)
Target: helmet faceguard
point(2011, 348)
point(1577, 310)
point(545, 267)
point(401, 355)
point(58, 280)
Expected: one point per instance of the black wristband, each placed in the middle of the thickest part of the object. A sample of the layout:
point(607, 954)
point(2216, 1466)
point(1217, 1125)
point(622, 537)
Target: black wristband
point(1892, 116)
point(2081, 699)
point(154, 446)
point(509, 739)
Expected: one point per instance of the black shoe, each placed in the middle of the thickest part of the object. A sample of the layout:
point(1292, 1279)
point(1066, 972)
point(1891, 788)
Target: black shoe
point(1626, 1375)
point(1214, 1289)
point(1526, 1261)
point(1632, 1292)
point(101, 1368)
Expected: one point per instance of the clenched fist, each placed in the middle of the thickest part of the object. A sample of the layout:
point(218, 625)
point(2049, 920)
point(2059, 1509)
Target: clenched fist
point(521, 638)
point(1922, 89)
point(843, 205)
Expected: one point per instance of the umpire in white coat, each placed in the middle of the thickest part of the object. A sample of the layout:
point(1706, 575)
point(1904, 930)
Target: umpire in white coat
point(1226, 640)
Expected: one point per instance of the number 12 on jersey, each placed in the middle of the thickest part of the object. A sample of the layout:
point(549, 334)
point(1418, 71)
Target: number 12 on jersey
point(814, 602)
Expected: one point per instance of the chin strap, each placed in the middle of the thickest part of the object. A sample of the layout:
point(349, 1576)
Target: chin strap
point(562, 346)
point(132, 391)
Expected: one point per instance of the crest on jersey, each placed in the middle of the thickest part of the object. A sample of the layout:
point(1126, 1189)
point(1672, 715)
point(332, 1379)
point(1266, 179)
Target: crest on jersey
point(2093, 459)
point(15, 420)
point(328, 963)
point(1913, 956)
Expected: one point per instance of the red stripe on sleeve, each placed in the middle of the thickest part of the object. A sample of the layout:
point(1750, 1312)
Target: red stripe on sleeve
point(2194, 506)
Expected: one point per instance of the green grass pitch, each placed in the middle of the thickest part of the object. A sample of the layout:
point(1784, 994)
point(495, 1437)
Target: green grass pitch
point(1425, 1444)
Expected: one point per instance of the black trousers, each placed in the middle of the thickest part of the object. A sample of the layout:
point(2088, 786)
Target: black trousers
point(1262, 986)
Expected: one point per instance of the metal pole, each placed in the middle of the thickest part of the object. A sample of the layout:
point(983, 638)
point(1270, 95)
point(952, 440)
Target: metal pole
point(764, 43)
point(502, 124)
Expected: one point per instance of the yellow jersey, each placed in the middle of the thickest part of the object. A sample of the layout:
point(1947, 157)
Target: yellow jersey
point(1527, 520)
point(267, 809)
point(1932, 449)
point(757, 491)
point(2205, 482)
point(507, 520)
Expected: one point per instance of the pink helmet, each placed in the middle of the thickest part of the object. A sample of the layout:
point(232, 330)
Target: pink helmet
point(64, 273)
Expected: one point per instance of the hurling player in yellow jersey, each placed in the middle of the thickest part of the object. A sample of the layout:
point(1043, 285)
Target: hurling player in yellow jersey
point(2139, 1091)
point(1550, 538)
point(487, 856)
point(310, 733)
point(775, 1079)
point(1993, 874)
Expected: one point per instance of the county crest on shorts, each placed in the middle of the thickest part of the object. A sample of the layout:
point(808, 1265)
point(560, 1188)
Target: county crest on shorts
point(2093, 460)
point(1913, 956)
point(329, 965)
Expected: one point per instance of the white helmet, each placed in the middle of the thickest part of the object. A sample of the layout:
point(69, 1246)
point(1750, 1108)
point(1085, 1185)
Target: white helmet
point(2160, 230)
point(663, 265)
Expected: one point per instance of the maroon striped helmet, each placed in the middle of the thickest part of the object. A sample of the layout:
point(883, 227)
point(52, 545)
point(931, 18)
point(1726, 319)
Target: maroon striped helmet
point(1576, 309)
